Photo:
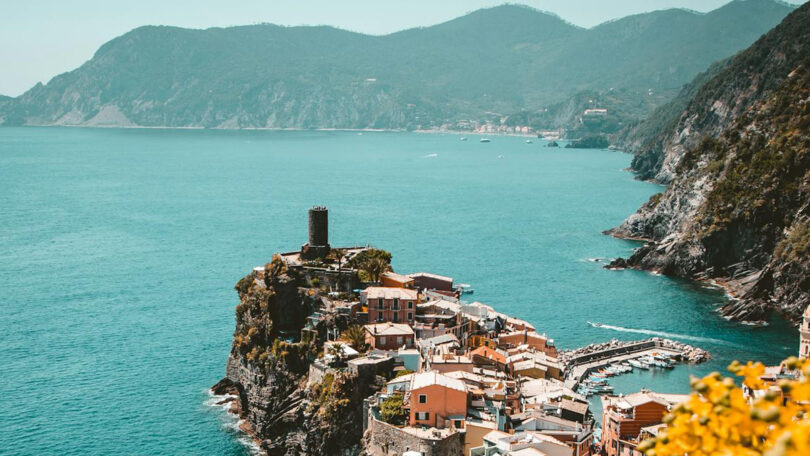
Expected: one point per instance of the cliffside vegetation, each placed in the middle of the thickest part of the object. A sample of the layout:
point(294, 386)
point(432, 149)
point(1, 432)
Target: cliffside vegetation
point(736, 209)
point(261, 316)
point(371, 263)
point(286, 407)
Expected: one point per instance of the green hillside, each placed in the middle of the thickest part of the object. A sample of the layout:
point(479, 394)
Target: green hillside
point(505, 60)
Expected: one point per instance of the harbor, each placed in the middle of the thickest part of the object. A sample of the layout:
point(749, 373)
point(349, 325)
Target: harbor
point(588, 368)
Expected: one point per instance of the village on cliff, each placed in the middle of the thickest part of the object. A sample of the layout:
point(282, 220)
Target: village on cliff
point(459, 377)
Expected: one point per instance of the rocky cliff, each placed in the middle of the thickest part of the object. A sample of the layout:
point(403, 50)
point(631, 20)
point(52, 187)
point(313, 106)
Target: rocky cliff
point(283, 408)
point(738, 165)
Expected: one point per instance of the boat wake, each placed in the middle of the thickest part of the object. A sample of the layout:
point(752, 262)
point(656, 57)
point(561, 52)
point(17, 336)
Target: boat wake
point(431, 156)
point(665, 334)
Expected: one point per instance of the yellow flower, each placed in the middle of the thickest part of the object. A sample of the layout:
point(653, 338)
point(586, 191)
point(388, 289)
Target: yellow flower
point(718, 419)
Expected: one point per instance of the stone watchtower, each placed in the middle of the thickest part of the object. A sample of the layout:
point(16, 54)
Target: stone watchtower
point(318, 245)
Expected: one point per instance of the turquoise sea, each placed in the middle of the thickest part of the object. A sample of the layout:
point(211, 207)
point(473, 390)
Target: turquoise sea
point(119, 249)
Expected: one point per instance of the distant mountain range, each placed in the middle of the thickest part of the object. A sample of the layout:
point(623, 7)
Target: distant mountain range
point(492, 62)
point(735, 150)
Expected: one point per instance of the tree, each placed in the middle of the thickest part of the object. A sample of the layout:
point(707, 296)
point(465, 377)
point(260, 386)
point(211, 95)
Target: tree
point(338, 254)
point(356, 337)
point(336, 352)
point(375, 268)
point(718, 419)
point(391, 410)
point(371, 263)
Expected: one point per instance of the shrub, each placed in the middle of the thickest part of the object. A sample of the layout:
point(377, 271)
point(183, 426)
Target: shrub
point(391, 410)
point(356, 337)
point(718, 419)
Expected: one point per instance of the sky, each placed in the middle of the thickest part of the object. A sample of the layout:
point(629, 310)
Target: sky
point(42, 38)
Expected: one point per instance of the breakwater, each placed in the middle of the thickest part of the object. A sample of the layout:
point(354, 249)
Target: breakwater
point(581, 362)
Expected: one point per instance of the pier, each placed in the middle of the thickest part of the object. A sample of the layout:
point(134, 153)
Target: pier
point(581, 362)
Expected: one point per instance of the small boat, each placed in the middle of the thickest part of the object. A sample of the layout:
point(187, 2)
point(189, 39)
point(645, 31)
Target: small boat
point(484, 140)
point(529, 141)
point(500, 156)
point(465, 288)
point(463, 138)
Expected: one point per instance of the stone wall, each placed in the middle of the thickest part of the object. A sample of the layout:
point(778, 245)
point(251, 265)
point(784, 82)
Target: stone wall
point(385, 440)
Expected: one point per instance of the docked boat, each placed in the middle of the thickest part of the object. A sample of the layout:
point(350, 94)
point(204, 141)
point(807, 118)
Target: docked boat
point(639, 364)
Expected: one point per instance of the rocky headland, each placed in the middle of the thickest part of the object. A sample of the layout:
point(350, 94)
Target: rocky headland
point(734, 150)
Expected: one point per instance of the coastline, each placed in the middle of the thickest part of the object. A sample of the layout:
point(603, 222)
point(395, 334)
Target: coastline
point(326, 129)
point(734, 290)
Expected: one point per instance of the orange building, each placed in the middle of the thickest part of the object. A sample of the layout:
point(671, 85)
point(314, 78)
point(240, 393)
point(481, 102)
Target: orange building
point(485, 356)
point(397, 305)
point(438, 401)
point(532, 339)
point(623, 418)
point(394, 280)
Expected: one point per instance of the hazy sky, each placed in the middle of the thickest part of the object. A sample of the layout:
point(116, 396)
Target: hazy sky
point(42, 38)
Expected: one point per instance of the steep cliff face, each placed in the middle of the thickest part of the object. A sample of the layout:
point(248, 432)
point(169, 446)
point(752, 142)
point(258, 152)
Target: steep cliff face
point(738, 162)
point(284, 409)
point(713, 101)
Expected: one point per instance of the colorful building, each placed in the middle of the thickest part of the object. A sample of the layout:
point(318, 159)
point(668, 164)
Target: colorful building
point(428, 281)
point(623, 418)
point(389, 336)
point(485, 356)
point(396, 305)
point(532, 339)
point(436, 400)
point(394, 280)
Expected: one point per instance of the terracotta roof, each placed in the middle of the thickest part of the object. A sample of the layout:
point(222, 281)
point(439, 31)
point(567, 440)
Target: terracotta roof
point(390, 293)
point(573, 406)
point(389, 329)
point(398, 277)
point(488, 353)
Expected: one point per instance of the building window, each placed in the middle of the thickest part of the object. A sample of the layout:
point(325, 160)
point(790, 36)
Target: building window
point(410, 304)
point(457, 424)
point(423, 398)
point(396, 304)
point(410, 316)
point(422, 416)
point(380, 317)
point(380, 304)
point(396, 317)
point(399, 341)
point(382, 341)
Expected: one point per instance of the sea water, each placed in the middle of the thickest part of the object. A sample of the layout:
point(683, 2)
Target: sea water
point(119, 249)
